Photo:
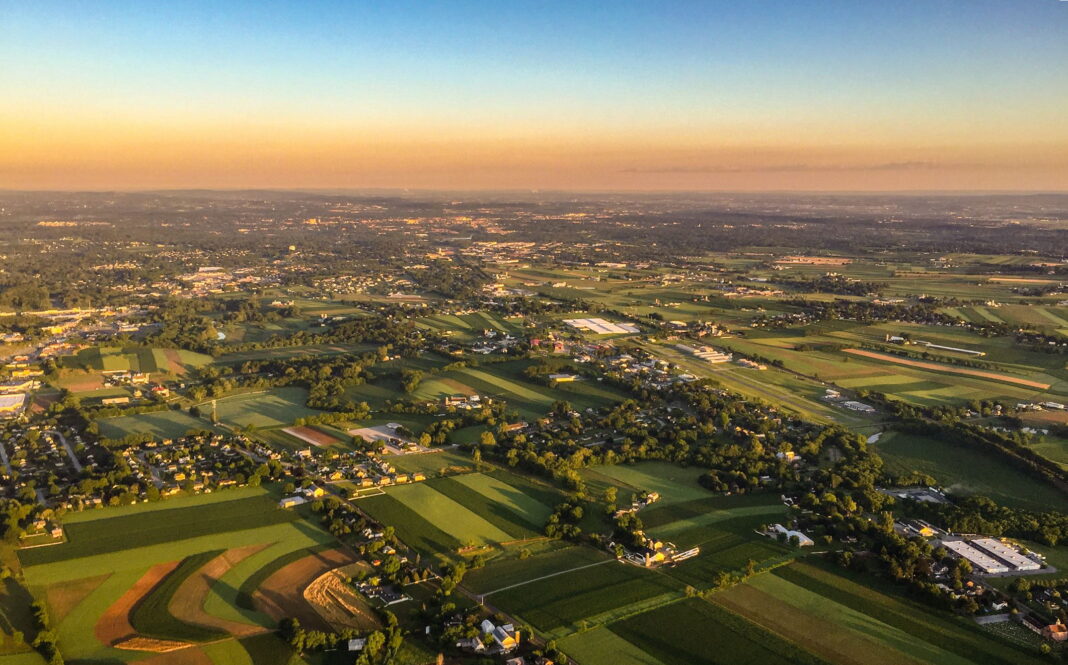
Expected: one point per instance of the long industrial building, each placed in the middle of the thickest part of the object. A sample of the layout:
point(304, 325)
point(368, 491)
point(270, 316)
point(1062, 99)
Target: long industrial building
point(983, 562)
point(1005, 553)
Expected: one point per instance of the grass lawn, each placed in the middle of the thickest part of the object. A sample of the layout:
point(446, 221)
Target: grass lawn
point(968, 471)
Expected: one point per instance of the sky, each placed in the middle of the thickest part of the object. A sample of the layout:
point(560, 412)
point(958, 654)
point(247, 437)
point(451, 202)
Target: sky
point(741, 95)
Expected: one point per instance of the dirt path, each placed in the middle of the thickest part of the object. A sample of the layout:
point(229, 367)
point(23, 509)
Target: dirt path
point(187, 604)
point(948, 368)
point(114, 624)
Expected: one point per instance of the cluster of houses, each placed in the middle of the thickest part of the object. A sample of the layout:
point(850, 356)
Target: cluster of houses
point(503, 639)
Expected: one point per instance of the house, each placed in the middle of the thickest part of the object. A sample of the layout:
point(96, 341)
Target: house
point(357, 644)
point(473, 644)
point(1056, 632)
point(505, 636)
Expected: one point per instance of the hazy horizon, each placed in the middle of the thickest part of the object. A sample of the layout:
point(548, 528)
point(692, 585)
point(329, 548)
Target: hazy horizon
point(945, 95)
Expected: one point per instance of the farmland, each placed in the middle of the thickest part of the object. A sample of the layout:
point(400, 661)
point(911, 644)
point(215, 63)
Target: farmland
point(107, 569)
point(505, 381)
point(160, 424)
point(967, 471)
point(278, 407)
point(844, 622)
point(137, 359)
point(441, 515)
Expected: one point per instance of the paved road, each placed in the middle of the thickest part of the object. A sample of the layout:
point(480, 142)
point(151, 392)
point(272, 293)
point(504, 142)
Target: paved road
point(70, 451)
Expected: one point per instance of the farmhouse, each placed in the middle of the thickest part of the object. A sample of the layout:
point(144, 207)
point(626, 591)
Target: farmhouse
point(505, 636)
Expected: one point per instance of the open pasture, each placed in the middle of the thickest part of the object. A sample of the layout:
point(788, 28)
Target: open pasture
point(441, 515)
point(160, 424)
point(505, 381)
point(277, 407)
point(674, 483)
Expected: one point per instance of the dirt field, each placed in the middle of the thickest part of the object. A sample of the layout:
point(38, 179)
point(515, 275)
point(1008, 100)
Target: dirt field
point(377, 433)
point(114, 624)
point(312, 436)
point(188, 601)
point(62, 598)
point(281, 595)
point(338, 603)
point(175, 362)
point(150, 644)
point(948, 368)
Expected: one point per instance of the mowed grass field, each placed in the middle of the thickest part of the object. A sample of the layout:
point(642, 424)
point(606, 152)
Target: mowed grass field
point(277, 407)
point(469, 326)
point(505, 381)
point(110, 550)
point(689, 631)
point(136, 359)
point(843, 620)
point(815, 352)
point(441, 515)
point(160, 424)
point(967, 471)
point(691, 516)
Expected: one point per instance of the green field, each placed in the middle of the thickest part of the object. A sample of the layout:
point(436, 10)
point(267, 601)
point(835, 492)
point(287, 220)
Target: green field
point(160, 424)
point(968, 471)
point(119, 545)
point(431, 463)
point(278, 407)
point(694, 630)
point(559, 604)
point(136, 359)
point(844, 621)
point(675, 483)
point(501, 573)
point(115, 534)
point(441, 515)
point(150, 616)
point(505, 381)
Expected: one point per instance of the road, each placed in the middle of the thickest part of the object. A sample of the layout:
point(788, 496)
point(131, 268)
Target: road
point(70, 451)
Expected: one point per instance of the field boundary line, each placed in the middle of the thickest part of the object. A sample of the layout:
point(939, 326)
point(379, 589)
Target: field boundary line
point(939, 367)
point(545, 577)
